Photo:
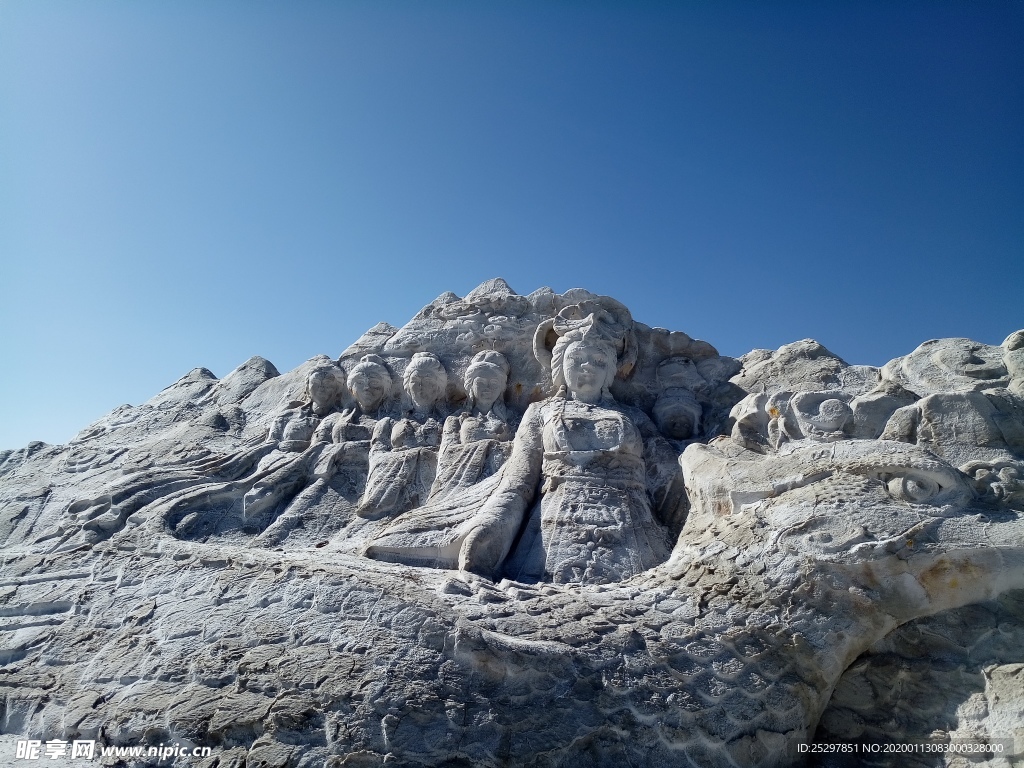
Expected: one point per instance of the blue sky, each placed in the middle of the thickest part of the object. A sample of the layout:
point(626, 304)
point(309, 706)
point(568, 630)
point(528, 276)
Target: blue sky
point(192, 183)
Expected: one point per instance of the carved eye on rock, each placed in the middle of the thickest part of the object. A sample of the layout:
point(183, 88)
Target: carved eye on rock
point(916, 488)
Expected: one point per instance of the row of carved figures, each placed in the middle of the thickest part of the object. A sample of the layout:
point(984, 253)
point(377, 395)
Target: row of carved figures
point(580, 488)
point(400, 441)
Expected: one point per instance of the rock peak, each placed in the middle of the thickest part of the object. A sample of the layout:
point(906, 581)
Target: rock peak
point(496, 286)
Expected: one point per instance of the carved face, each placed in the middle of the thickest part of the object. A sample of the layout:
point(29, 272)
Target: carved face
point(424, 386)
point(486, 384)
point(323, 388)
point(588, 369)
point(677, 419)
point(368, 390)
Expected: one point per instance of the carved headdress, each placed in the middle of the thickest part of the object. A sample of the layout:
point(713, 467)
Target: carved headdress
point(489, 359)
point(606, 323)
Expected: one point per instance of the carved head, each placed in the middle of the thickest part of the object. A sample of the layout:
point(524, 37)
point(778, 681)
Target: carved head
point(370, 382)
point(607, 329)
point(678, 372)
point(425, 380)
point(486, 379)
point(585, 367)
point(677, 414)
point(324, 387)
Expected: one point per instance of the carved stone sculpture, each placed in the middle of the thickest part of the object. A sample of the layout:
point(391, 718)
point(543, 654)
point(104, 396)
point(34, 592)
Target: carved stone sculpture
point(403, 450)
point(350, 430)
point(294, 431)
point(676, 411)
point(476, 441)
point(285, 464)
point(603, 544)
point(475, 445)
point(593, 522)
point(294, 428)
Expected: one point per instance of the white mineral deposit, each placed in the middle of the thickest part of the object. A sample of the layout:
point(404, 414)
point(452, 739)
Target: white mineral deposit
point(530, 531)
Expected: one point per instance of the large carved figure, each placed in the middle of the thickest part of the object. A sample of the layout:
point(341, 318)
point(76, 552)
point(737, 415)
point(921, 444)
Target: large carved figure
point(403, 450)
point(860, 536)
point(593, 521)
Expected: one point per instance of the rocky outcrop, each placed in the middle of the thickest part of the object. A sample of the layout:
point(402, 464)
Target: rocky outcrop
point(528, 531)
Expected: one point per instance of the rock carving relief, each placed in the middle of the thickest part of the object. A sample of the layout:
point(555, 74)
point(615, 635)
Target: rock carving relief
point(587, 454)
point(403, 448)
point(475, 444)
point(529, 531)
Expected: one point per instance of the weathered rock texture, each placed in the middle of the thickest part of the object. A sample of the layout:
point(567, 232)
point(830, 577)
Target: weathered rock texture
point(529, 531)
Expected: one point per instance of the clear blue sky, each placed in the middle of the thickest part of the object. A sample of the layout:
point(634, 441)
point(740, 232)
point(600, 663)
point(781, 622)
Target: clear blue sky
point(188, 184)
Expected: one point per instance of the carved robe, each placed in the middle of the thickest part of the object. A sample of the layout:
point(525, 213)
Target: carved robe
point(592, 521)
point(472, 452)
point(403, 462)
